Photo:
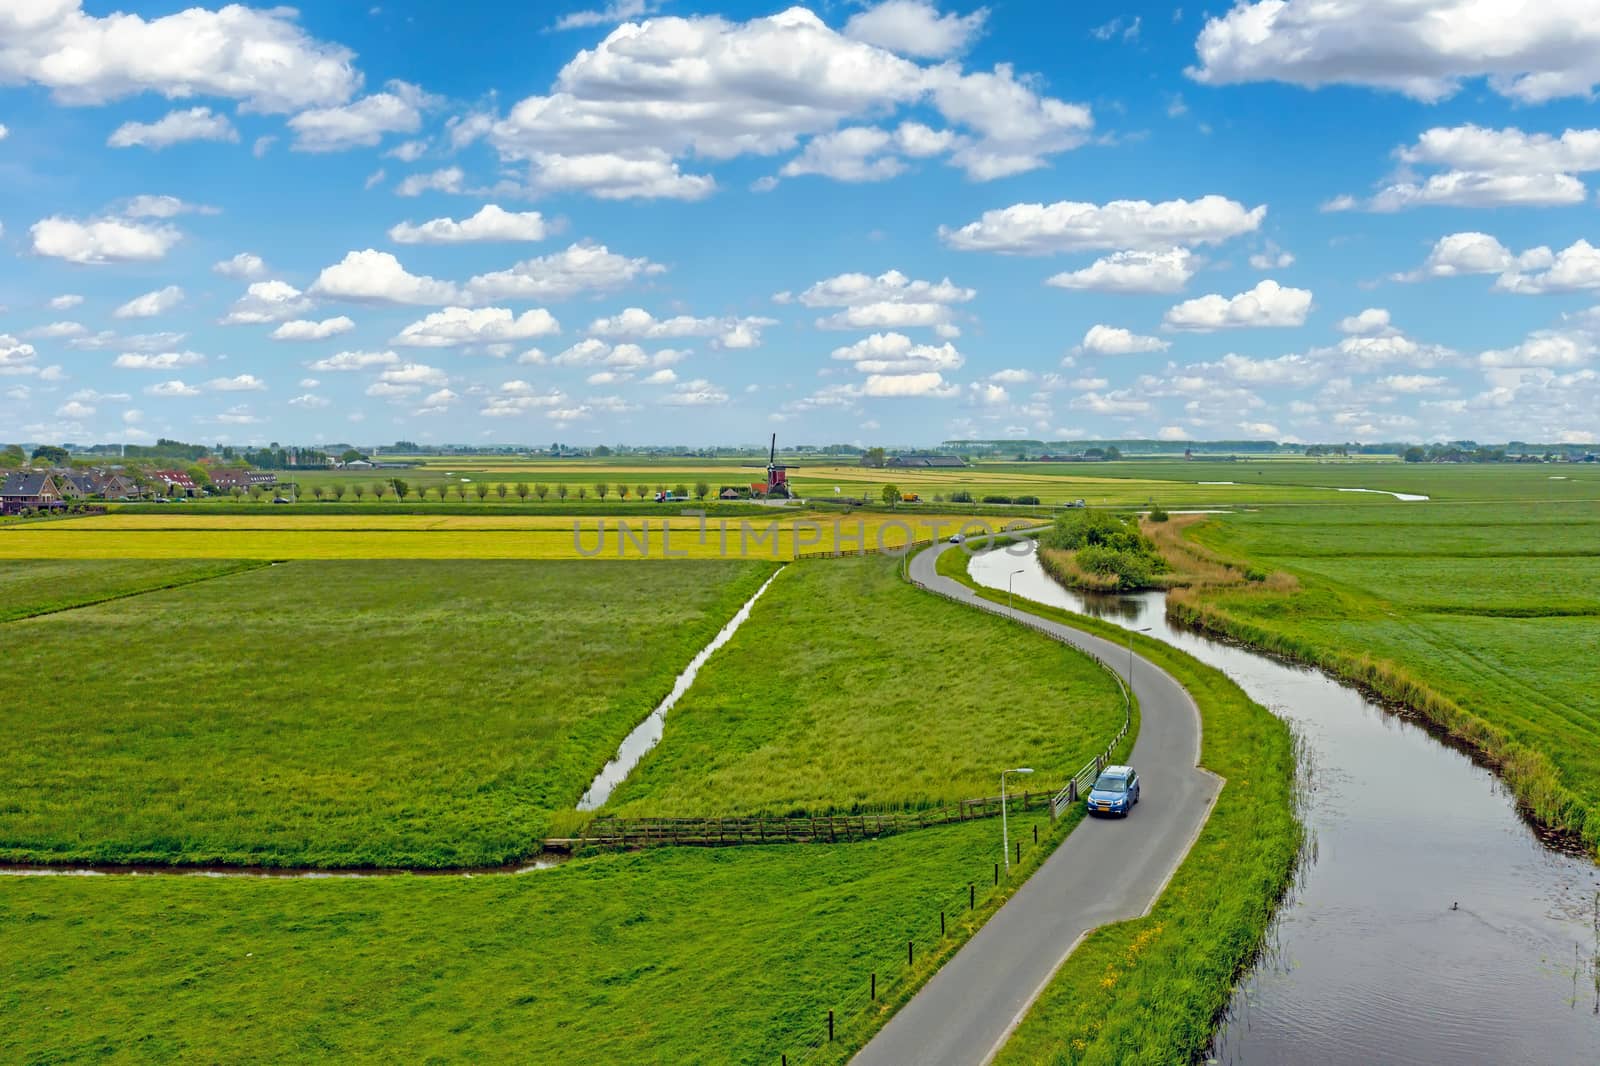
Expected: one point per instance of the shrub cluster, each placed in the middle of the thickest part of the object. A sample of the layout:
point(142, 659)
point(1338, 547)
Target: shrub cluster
point(1103, 543)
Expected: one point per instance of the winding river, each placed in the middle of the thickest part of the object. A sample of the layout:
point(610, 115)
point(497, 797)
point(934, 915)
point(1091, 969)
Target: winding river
point(1429, 925)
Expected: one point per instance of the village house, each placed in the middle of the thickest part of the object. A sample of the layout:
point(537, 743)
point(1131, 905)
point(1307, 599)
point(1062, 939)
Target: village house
point(30, 489)
point(169, 480)
point(78, 484)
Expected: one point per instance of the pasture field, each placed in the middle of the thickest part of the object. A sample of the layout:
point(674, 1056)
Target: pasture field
point(403, 536)
point(343, 714)
point(1149, 990)
point(848, 687)
point(1276, 480)
point(1125, 483)
point(674, 955)
point(41, 586)
point(1486, 619)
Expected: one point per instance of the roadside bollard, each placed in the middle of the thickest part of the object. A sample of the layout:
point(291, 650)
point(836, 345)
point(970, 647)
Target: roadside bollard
point(972, 896)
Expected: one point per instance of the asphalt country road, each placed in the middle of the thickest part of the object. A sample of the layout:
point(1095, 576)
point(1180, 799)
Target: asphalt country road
point(1107, 870)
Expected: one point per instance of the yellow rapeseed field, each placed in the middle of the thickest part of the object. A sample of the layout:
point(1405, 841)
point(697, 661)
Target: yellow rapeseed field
point(465, 536)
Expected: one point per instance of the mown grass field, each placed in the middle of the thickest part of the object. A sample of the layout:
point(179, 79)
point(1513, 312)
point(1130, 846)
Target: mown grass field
point(265, 536)
point(676, 955)
point(848, 687)
point(341, 714)
point(41, 586)
point(1486, 618)
point(1148, 990)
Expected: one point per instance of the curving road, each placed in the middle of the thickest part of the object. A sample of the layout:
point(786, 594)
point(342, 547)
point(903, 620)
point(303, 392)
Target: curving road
point(1106, 871)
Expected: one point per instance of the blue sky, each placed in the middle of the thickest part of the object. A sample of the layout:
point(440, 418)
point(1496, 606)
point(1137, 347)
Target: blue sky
point(673, 222)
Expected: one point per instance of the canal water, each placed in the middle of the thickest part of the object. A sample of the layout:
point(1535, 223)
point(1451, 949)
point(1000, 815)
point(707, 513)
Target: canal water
point(1430, 924)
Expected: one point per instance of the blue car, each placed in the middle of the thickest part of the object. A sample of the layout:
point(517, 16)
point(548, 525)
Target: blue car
point(1115, 791)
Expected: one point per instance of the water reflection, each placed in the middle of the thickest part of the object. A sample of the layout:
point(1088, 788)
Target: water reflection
point(1430, 925)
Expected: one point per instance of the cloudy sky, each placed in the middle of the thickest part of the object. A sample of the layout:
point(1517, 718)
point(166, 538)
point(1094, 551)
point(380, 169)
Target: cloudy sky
point(677, 221)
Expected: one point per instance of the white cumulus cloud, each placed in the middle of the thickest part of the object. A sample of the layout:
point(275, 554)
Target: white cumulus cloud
point(100, 241)
point(266, 301)
point(915, 28)
point(1113, 340)
point(491, 223)
point(377, 277)
point(1164, 271)
point(1069, 226)
point(151, 304)
point(455, 326)
point(302, 329)
point(175, 127)
point(1530, 53)
point(580, 268)
point(1268, 304)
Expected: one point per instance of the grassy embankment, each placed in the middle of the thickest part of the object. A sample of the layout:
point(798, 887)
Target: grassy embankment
point(342, 714)
point(1151, 989)
point(828, 699)
point(1485, 619)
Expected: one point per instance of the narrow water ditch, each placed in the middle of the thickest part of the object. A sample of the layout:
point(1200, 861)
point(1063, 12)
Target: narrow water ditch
point(634, 747)
point(1430, 924)
point(647, 734)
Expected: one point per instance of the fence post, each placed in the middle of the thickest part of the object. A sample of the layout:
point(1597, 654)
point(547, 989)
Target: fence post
point(1036, 834)
point(830, 1027)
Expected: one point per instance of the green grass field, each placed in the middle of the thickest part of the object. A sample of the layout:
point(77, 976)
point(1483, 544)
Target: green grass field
point(850, 688)
point(40, 586)
point(355, 713)
point(677, 955)
point(1172, 482)
point(1485, 617)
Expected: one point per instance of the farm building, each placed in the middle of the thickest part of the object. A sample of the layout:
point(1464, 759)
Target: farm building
point(228, 479)
point(926, 461)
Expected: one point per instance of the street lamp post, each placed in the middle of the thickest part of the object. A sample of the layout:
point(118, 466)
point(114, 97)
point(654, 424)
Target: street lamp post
point(1005, 834)
point(1010, 599)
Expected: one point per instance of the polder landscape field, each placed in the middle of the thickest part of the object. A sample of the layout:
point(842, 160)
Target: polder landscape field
point(429, 685)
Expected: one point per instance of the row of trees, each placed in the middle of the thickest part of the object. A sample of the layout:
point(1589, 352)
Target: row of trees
point(398, 488)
